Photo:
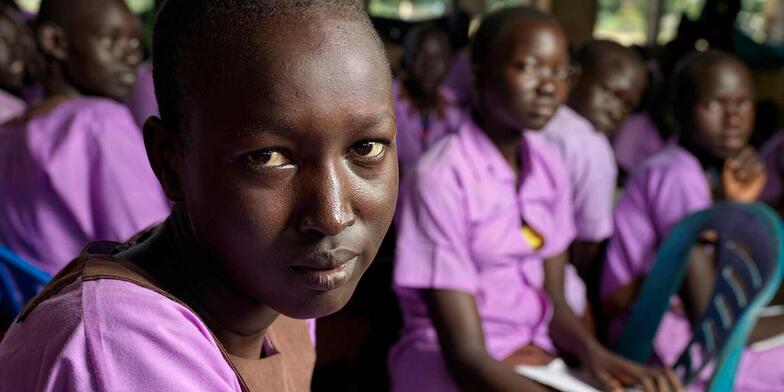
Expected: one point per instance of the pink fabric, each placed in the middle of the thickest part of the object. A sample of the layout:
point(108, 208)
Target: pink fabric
point(671, 185)
point(412, 139)
point(773, 155)
point(142, 101)
point(110, 335)
point(668, 187)
point(636, 141)
point(458, 80)
point(10, 106)
point(589, 159)
point(76, 174)
point(460, 229)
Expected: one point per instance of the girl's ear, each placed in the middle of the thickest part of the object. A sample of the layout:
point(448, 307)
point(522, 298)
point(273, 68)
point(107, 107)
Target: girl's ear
point(52, 41)
point(165, 152)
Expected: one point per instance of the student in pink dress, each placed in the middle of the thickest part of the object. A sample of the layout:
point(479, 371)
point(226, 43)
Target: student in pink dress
point(15, 43)
point(610, 80)
point(714, 108)
point(283, 174)
point(484, 231)
point(73, 168)
point(425, 111)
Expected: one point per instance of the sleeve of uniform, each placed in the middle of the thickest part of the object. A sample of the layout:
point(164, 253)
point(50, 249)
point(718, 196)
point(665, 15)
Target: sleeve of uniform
point(654, 202)
point(432, 249)
point(125, 195)
point(563, 231)
point(149, 343)
point(594, 189)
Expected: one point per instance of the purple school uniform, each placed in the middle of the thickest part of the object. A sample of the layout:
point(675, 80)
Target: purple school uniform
point(415, 134)
point(141, 101)
point(637, 140)
point(10, 106)
point(458, 80)
point(76, 174)
point(116, 330)
point(146, 342)
point(592, 170)
point(669, 186)
point(460, 229)
point(773, 155)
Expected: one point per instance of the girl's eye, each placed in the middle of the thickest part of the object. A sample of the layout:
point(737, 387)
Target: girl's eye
point(369, 149)
point(267, 158)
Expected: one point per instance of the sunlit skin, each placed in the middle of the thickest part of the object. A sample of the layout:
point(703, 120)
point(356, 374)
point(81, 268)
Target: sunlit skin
point(606, 93)
point(94, 52)
point(285, 181)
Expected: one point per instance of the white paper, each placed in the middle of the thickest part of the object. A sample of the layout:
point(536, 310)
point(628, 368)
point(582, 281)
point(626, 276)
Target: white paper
point(556, 375)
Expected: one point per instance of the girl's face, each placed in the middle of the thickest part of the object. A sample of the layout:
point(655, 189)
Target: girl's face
point(606, 97)
point(102, 52)
point(527, 82)
point(723, 114)
point(429, 64)
point(289, 174)
point(15, 44)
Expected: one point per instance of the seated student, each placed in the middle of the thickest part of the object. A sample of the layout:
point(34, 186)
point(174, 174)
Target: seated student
point(15, 41)
point(73, 168)
point(283, 174)
point(484, 231)
point(610, 83)
point(425, 111)
point(714, 108)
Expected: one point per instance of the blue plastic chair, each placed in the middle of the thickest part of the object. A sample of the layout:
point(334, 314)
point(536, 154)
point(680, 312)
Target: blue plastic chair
point(19, 282)
point(750, 270)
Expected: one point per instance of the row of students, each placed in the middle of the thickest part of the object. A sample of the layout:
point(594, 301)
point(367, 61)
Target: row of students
point(74, 168)
point(477, 254)
point(276, 147)
point(714, 109)
point(481, 264)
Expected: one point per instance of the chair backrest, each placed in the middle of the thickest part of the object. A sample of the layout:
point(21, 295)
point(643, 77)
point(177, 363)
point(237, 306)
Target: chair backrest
point(19, 282)
point(750, 270)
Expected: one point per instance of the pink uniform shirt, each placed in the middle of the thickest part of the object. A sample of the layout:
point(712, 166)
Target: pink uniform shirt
point(76, 174)
point(667, 188)
point(141, 101)
point(460, 229)
point(112, 335)
point(10, 106)
point(637, 140)
point(593, 173)
point(416, 134)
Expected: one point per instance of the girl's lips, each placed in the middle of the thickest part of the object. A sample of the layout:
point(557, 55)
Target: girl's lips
point(326, 278)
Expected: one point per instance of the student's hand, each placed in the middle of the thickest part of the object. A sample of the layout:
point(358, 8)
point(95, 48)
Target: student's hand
point(743, 177)
point(611, 372)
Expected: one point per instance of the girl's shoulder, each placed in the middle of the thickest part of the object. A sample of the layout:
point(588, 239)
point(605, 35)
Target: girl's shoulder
point(112, 328)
